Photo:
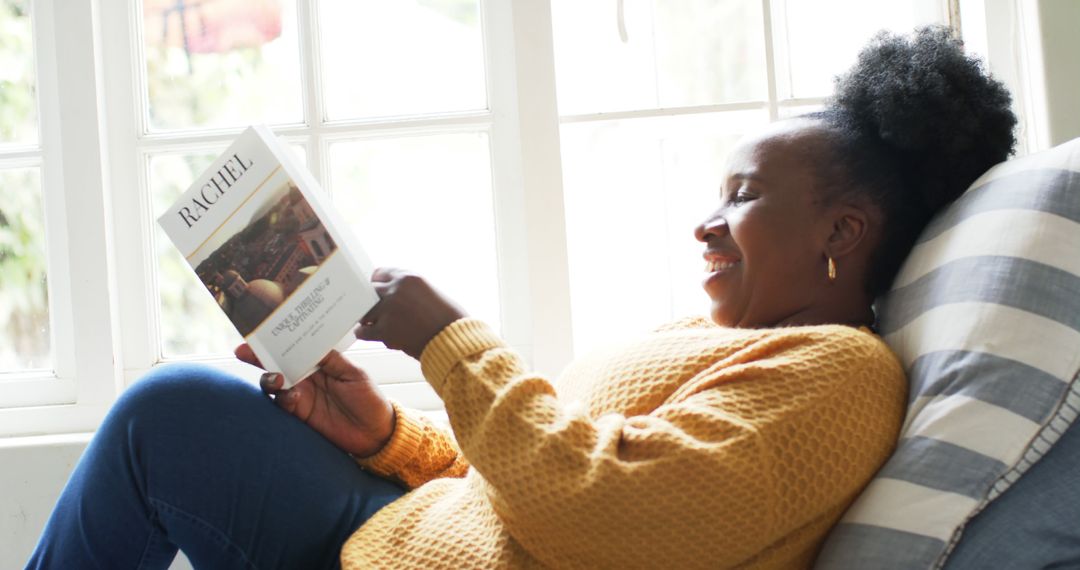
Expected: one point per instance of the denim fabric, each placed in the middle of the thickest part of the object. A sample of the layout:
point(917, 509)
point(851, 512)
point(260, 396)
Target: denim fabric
point(195, 459)
point(1035, 524)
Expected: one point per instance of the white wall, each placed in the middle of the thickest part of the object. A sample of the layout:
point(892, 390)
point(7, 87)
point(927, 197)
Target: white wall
point(32, 473)
point(1059, 24)
point(1031, 46)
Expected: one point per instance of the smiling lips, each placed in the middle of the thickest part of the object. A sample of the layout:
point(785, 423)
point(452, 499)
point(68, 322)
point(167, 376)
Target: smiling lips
point(714, 262)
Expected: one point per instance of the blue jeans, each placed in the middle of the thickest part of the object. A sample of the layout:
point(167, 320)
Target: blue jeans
point(195, 459)
point(1035, 524)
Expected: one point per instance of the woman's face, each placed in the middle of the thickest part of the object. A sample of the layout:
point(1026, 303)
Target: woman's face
point(765, 244)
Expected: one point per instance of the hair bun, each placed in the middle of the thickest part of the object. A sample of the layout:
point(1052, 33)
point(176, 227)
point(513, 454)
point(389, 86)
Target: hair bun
point(924, 98)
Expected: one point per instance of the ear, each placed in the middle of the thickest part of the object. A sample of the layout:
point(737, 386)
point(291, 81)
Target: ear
point(850, 227)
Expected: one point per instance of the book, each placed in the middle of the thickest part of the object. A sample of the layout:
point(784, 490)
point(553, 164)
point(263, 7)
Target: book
point(277, 259)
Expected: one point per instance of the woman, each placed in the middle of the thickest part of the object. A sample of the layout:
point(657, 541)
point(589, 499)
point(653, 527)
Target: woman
point(731, 443)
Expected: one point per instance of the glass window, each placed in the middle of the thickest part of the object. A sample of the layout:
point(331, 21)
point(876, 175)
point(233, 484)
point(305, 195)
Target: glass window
point(634, 191)
point(645, 54)
point(212, 64)
point(25, 330)
point(823, 38)
point(221, 63)
point(404, 57)
point(635, 188)
point(424, 203)
point(24, 293)
point(18, 104)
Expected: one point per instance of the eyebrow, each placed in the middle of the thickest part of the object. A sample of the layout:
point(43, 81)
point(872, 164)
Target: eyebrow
point(741, 176)
point(747, 176)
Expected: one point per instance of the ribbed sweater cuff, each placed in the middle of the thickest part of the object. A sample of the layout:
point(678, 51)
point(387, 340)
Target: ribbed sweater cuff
point(459, 340)
point(400, 449)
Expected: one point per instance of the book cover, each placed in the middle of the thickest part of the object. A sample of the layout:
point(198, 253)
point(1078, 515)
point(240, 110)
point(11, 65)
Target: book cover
point(276, 258)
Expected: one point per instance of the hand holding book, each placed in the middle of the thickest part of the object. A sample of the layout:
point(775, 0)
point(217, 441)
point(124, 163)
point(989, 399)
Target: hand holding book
point(410, 312)
point(338, 400)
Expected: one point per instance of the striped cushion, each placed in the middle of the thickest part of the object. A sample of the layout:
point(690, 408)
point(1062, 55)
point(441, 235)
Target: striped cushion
point(985, 316)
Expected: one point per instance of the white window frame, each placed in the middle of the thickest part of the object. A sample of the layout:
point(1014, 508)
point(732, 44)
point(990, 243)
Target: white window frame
point(777, 75)
point(1008, 36)
point(78, 235)
point(98, 59)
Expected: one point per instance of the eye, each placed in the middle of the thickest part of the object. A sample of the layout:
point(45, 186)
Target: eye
point(740, 197)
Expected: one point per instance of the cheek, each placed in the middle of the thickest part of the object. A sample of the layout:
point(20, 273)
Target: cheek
point(777, 248)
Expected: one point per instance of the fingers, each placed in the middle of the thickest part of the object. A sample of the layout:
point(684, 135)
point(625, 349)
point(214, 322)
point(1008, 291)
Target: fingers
point(410, 312)
point(366, 331)
point(384, 274)
point(298, 400)
point(375, 332)
point(382, 288)
point(246, 354)
point(385, 281)
point(271, 382)
point(337, 366)
point(372, 316)
point(368, 328)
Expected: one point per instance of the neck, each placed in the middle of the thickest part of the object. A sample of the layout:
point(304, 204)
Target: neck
point(836, 307)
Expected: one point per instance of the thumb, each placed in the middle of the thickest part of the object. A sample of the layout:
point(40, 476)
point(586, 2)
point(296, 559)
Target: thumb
point(340, 368)
point(299, 400)
point(245, 353)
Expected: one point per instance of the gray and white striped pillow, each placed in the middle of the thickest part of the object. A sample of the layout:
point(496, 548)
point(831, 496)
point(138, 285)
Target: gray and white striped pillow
point(985, 317)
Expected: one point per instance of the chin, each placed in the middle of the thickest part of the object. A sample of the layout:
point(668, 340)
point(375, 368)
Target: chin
point(720, 317)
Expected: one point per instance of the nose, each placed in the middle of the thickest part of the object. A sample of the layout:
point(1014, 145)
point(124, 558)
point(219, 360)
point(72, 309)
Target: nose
point(713, 226)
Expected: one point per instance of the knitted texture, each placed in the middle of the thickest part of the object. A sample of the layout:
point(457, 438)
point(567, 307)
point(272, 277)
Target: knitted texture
point(418, 451)
point(694, 447)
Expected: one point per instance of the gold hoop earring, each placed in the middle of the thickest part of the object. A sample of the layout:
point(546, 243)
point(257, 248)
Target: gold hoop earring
point(832, 270)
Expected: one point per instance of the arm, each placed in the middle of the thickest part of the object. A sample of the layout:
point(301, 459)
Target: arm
point(342, 403)
point(765, 446)
point(417, 452)
point(707, 470)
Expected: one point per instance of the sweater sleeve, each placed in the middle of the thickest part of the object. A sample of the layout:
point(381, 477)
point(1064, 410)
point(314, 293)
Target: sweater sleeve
point(696, 470)
point(418, 451)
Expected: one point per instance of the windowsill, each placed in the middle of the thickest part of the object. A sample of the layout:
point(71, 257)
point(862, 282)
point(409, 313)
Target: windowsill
point(51, 440)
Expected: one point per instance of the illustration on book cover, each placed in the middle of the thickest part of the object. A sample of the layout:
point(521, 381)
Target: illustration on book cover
point(265, 259)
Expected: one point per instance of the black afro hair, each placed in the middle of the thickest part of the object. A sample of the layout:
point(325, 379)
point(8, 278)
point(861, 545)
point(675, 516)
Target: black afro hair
point(914, 122)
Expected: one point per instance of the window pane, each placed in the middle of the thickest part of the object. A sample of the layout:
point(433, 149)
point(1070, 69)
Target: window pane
point(24, 294)
point(221, 63)
point(634, 191)
point(424, 203)
point(18, 105)
point(191, 322)
point(402, 57)
point(815, 58)
point(653, 53)
point(791, 111)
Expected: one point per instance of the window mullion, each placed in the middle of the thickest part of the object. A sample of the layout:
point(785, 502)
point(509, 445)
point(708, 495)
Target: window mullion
point(534, 269)
point(772, 39)
point(121, 51)
point(72, 137)
point(311, 66)
point(55, 199)
point(665, 112)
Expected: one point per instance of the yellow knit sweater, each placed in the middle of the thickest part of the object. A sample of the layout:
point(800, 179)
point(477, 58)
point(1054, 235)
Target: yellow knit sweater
point(694, 447)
